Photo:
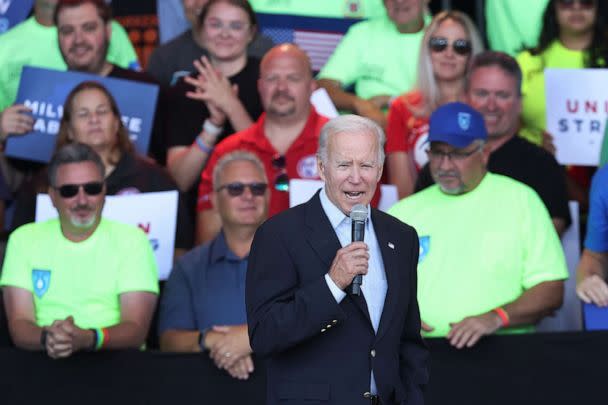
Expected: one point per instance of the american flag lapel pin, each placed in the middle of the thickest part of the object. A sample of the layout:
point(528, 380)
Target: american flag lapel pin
point(390, 245)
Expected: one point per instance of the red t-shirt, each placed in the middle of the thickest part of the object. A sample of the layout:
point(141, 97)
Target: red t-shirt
point(406, 132)
point(300, 159)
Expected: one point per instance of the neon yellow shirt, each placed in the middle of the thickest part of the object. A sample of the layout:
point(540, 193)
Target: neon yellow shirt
point(321, 8)
point(376, 58)
point(81, 279)
point(30, 43)
point(513, 25)
point(480, 250)
point(534, 118)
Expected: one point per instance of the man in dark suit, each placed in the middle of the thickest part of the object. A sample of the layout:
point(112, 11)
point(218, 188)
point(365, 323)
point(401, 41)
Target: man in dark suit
point(322, 344)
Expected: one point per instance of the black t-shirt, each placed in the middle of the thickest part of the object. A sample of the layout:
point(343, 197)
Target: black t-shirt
point(529, 164)
point(132, 174)
point(157, 148)
point(186, 116)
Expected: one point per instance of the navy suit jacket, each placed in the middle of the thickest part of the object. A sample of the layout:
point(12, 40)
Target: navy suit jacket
point(320, 351)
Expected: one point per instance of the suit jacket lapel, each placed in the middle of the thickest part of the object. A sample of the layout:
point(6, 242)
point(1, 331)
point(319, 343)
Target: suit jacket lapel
point(324, 241)
point(391, 268)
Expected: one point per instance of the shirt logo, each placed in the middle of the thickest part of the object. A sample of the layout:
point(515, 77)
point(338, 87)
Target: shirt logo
point(425, 246)
point(40, 281)
point(464, 120)
point(307, 167)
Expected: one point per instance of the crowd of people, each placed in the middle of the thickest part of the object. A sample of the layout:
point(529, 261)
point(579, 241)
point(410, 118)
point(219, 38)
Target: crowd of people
point(466, 147)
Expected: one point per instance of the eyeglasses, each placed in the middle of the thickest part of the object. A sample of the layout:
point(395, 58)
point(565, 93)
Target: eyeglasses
point(234, 26)
point(236, 189)
point(452, 156)
point(439, 44)
point(569, 4)
point(70, 190)
point(281, 181)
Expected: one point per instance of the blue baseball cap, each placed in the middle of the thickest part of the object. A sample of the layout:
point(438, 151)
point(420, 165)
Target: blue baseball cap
point(456, 124)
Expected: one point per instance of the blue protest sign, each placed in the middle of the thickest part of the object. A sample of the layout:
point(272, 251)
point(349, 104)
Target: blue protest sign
point(45, 91)
point(12, 12)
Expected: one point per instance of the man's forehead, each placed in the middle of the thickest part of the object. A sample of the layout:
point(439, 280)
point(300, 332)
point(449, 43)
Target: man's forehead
point(78, 170)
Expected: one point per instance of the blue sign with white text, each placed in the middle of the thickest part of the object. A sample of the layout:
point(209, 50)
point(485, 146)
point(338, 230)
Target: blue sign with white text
point(12, 12)
point(45, 91)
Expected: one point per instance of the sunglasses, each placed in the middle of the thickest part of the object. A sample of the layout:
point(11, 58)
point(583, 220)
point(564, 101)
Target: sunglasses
point(237, 189)
point(569, 4)
point(461, 46)
point(281, 181)
point(70, 190)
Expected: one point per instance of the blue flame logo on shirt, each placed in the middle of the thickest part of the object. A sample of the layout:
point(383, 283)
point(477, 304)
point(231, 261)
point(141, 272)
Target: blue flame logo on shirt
point(464, 120)
point(425, 245)
point(40, 281)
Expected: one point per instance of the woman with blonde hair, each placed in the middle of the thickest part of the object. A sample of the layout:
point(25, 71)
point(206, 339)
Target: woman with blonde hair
point(449, 44)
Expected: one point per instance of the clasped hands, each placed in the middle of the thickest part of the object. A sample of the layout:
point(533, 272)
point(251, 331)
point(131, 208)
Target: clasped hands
point(230, 350)
point(64, 338)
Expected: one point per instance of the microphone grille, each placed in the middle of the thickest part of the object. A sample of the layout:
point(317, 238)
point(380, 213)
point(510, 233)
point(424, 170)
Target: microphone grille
point(358, 213)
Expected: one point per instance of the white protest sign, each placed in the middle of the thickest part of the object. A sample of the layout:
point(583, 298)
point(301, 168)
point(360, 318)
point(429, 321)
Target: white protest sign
point(577, 107)
point(154, 213)
point(301, 190)
point(323, 104)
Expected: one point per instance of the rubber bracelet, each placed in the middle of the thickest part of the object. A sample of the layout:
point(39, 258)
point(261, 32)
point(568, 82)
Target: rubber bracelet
point(201, 145)
point(503, 315)
point(212, 129)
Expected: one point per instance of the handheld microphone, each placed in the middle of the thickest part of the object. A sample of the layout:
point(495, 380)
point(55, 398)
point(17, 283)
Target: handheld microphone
point(358, 215)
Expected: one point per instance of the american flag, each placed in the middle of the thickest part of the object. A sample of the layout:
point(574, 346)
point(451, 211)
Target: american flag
point(318, 45)
point(316, 36)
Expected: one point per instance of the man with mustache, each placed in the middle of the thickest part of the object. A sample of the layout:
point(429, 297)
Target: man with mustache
point(78, 282)
point(490, 258)
point(284, 137)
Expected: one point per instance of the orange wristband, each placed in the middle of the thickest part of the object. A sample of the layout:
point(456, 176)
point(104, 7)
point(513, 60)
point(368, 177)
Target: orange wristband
point(504, 317)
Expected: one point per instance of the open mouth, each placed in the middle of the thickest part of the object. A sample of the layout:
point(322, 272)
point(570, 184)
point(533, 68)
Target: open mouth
point(353, 194)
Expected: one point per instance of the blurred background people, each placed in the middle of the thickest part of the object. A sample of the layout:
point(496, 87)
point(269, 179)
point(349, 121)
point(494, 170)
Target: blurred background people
point(203, 304)
point(376, 58)
point(91, 116)
point(449, 44)
point(221, 97)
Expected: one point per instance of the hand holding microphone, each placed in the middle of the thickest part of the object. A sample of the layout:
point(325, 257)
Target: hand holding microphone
point(351, 262)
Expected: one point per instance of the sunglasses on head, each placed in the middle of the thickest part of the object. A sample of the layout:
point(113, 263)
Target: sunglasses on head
point(281, 181)
point(70, 190)
point(236, 189)
point(460, 46)
point(568, 4)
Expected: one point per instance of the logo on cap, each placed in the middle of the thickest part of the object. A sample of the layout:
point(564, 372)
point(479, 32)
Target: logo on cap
point(464, 120)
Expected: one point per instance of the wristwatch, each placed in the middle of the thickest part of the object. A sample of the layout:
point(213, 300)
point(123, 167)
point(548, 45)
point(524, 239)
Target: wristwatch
point(201, 340)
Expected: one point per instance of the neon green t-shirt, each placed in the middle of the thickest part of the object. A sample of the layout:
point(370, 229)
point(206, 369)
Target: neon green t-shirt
point(81, 279)
point(376, 58)
point(533, 115)
point(480, 250)
point(30, 43)
point(513, 25)
point(322, 8)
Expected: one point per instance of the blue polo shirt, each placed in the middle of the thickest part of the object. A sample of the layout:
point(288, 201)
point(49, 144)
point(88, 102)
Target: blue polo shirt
point(597, 223)
point(206, 288)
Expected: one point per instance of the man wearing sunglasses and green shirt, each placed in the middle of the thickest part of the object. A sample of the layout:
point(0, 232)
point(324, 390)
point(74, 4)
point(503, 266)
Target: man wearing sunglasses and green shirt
point(490, 257)
point(78, 282)
point(203, 305)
